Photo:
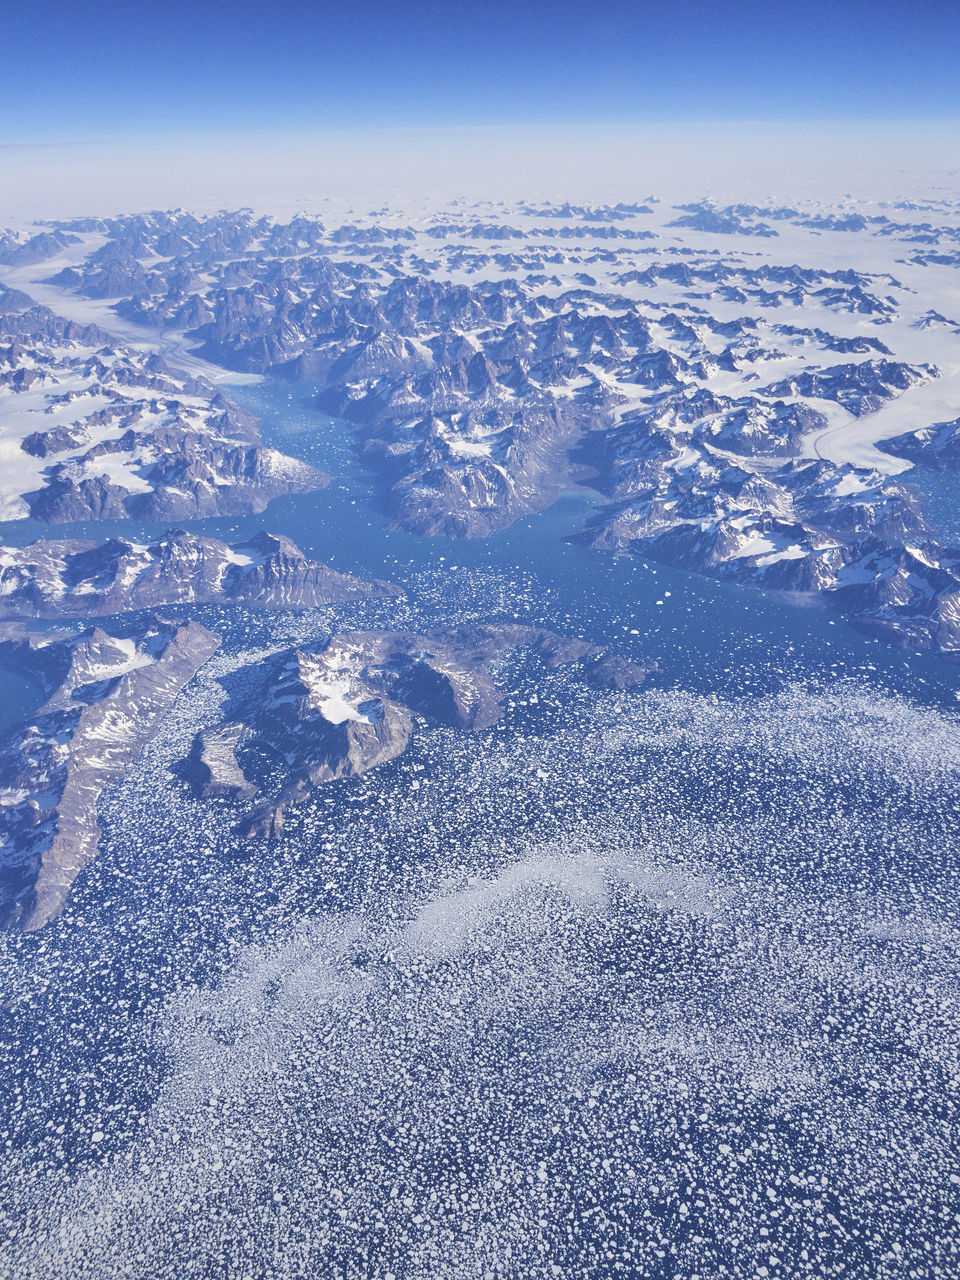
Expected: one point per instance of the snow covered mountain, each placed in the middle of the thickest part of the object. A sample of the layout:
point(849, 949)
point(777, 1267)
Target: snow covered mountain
point(91, 429)
point(677, 360)
point(108, 692)
point(69, 579)
point(936, 446)
point(343, 708)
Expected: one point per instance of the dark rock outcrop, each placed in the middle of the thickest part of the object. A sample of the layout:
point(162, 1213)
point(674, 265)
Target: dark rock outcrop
point(346, 707)
point(66, 579)
point(108, 693)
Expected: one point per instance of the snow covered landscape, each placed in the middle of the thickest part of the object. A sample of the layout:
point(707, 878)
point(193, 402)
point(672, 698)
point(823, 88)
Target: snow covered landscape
point(737, 396)
point(558, 804)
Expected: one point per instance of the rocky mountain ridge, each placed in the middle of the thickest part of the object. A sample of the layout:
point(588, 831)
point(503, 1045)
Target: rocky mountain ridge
point(348, 705)
point(489, 358)
point(92, 429)
point(75, 578)
point(108, 691)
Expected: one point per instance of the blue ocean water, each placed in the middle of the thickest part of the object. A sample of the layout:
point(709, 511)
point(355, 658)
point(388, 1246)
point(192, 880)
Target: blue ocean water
point(940, 495)
point(702, 634)
point(660, 984)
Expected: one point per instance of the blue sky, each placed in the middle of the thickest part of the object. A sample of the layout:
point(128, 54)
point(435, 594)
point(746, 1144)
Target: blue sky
point(92, 70)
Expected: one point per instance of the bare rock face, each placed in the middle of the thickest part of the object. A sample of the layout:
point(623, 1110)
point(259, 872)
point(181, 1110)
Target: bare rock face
point(108, 693)
point(212, 764)
point(348, 706)
point(936, 446)
point(63, 579)
point(613, 672)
